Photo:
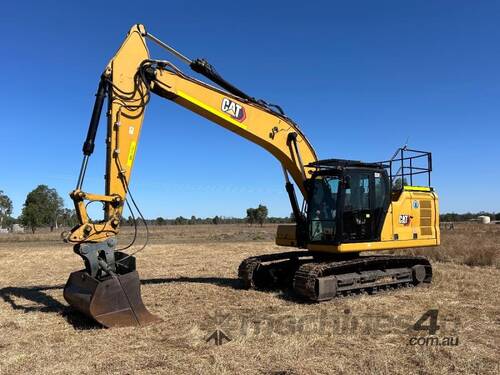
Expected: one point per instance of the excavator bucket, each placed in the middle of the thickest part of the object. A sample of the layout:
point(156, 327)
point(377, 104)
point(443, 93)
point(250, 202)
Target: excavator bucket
point(113, 302)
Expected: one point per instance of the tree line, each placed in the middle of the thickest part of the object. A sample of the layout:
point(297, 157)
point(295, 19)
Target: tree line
point(249, 219)
point(44, 207)
point(258, 215)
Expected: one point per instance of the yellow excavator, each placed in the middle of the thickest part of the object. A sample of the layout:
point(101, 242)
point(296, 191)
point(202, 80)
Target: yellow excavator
point(349, 207)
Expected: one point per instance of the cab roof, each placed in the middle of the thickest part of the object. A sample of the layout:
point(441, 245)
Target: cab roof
point(344, 163)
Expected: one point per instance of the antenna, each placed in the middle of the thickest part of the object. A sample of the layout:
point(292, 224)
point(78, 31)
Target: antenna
point(405, 146)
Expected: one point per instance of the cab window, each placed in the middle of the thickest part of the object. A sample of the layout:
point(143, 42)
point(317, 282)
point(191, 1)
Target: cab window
point(322, 210)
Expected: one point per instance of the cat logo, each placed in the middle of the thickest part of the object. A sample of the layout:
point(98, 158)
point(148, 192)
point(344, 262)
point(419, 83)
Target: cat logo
point(405, 219)
point(233, 109)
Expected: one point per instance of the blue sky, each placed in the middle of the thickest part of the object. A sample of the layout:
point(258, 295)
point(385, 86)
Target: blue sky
point(360, 78)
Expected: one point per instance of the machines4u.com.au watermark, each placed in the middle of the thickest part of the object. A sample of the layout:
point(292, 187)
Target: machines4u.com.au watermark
point(424, 329)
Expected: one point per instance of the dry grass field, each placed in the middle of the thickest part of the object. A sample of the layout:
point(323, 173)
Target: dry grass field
point(189, 279)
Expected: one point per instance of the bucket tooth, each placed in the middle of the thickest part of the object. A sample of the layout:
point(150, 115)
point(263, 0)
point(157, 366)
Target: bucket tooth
point(113, 302)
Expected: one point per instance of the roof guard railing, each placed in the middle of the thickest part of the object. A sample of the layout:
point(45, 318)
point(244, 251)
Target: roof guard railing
point(408, 163)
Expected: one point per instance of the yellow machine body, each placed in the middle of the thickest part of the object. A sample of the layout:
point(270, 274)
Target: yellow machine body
point(412, 220)
point(108, 288)
point(263, 127)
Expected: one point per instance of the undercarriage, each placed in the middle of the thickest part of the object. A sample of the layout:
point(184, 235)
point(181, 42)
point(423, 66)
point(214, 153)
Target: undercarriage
point(321, 277)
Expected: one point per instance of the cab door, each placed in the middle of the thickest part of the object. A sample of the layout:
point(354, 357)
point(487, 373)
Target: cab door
point(364, 203)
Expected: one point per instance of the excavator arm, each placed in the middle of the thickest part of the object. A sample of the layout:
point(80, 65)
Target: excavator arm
point(129, 80)
point(108, 289)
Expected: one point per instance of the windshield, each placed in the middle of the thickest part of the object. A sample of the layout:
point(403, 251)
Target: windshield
point(322, 209)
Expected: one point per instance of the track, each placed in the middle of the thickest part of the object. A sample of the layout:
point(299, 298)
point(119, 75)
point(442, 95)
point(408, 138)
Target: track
point(318, 277)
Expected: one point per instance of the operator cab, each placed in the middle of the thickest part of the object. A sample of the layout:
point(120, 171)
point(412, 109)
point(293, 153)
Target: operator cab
point(348, 201)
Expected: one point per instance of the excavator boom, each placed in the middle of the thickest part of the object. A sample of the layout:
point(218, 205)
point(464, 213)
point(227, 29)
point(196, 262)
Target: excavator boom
point(129, 80)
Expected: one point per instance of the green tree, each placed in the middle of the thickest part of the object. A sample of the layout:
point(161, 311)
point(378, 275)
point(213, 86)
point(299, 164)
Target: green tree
point(257, 215)
point(9, 221)
point(251, 215)
point(180, 220)
point(216, 220)
point(261, 214)
point(5, 207)
point(67, 217)
point(41, 207)
point(160, 221)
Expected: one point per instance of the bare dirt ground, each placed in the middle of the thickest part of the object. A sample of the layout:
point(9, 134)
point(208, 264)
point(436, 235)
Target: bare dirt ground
point(189, 280)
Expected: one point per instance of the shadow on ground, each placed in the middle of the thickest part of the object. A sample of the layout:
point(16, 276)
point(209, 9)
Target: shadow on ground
point(35, 298)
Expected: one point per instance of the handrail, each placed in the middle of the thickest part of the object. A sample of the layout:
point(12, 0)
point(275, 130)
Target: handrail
point(407, 167)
